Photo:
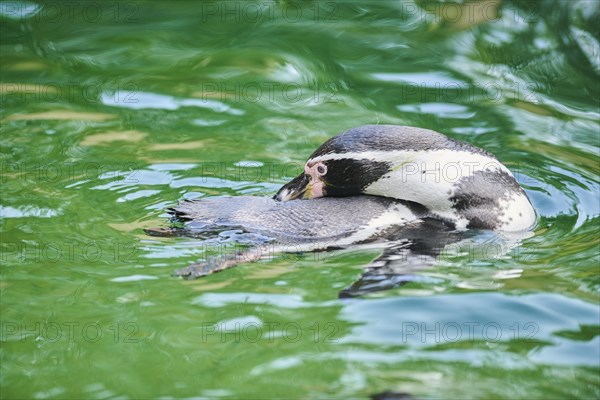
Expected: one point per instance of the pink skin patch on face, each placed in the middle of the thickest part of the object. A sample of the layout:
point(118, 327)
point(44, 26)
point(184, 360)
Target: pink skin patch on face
point(316, 171)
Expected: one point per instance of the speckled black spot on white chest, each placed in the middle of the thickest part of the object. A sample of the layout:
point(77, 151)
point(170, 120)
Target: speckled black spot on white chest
point(480, 197)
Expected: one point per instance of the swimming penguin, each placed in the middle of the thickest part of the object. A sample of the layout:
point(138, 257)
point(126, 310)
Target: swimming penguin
point(407, 191)
point(455, 181)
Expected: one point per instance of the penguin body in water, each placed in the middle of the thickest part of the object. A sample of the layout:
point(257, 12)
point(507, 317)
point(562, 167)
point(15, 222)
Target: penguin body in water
point(378, 185)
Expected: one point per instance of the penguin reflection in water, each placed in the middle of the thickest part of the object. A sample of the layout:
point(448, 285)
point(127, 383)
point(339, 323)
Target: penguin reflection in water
point(407, 191)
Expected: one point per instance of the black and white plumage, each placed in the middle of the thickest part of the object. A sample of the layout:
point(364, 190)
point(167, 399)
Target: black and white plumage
point(456, 181)
point(381, 184)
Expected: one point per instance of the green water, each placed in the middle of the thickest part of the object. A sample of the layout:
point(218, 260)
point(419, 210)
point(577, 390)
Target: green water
point(112, 112)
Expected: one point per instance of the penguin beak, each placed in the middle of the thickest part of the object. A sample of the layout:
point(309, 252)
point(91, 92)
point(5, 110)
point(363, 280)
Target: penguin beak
point(298, 188)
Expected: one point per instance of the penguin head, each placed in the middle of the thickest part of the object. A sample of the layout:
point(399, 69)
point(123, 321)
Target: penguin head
point(333, 178)
point(340, 167)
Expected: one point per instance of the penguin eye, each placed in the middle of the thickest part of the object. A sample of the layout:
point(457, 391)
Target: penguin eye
point(321, 169)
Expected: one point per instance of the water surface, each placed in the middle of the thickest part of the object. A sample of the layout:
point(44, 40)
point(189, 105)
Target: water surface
point(112, 112)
